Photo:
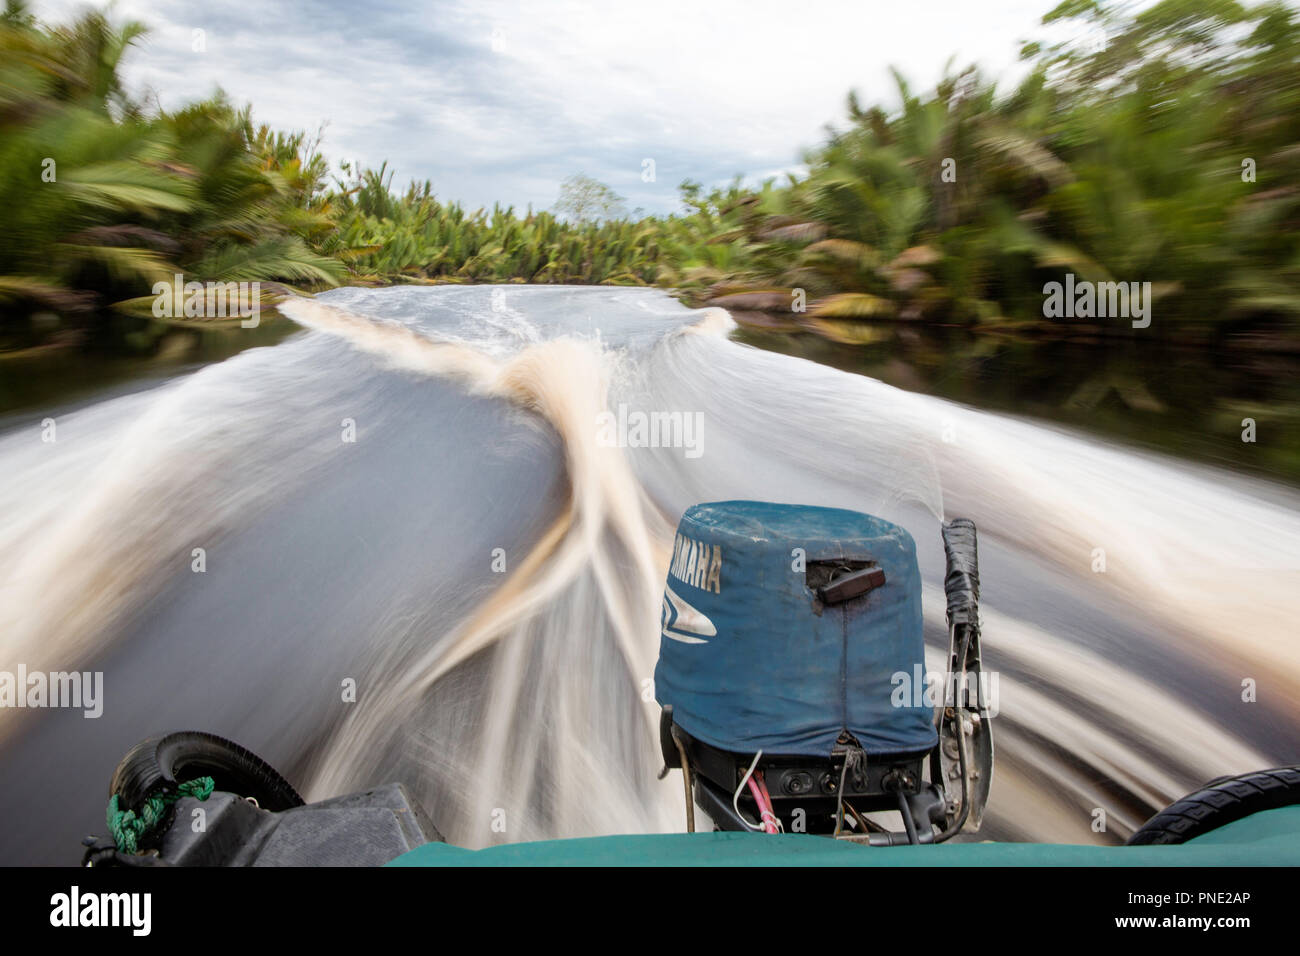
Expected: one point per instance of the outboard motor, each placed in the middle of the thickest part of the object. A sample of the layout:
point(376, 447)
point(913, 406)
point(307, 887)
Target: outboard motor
point(792, 676)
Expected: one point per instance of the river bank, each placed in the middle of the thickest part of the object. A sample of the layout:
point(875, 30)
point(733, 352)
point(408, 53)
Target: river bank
point(1179, 398)
point(1189, 401)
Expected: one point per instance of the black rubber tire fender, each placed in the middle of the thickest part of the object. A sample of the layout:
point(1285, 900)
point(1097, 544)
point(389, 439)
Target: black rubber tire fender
point(170, 759)
point(1220, 802)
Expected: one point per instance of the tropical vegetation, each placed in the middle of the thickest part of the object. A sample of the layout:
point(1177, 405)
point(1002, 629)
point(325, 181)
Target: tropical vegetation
point(1163, 148)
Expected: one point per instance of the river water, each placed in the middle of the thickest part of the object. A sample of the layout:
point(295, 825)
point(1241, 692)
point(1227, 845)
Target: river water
point(413, 497)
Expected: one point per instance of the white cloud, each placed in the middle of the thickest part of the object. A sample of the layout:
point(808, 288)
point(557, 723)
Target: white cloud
point(504, 100)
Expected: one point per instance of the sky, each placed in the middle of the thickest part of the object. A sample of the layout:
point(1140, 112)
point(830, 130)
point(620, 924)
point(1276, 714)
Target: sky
point(496, 101)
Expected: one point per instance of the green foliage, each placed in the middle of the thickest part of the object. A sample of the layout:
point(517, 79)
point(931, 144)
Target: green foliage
point(1115, 160)
point(103, 200)
point(1120, 157)
point(413, 237)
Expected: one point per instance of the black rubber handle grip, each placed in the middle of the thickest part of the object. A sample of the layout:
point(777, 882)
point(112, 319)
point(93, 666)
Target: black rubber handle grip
point(962, 582)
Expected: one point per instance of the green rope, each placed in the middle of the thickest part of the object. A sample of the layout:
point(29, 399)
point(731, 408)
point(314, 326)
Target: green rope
point(128, 827)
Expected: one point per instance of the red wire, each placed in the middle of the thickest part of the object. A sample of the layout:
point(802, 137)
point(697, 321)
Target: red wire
point(767, 797)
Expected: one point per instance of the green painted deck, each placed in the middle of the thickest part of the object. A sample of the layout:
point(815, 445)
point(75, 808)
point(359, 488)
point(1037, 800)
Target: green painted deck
point(1271, 838)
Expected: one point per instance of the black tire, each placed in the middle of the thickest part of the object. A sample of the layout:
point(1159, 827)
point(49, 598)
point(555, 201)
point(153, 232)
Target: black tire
point(170, 759)
point(1218, 803)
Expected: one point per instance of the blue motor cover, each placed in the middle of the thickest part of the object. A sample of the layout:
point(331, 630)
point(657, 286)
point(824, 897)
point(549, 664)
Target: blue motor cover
point(751, 660)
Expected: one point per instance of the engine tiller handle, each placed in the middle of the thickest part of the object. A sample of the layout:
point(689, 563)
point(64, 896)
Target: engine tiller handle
point(962, 581)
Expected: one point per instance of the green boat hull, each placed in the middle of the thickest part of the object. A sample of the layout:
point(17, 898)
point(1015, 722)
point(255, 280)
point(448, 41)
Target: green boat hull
point(1270, 838)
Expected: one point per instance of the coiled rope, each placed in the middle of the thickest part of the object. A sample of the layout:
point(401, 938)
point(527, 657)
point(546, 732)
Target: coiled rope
point(129, 828)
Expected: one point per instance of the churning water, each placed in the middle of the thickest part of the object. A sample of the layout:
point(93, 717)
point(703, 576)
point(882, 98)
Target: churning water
point(487, 567)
